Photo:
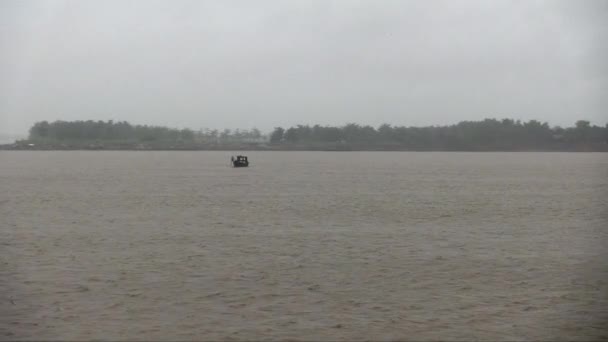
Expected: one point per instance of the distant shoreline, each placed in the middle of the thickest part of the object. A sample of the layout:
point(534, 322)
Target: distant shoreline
point(489, 135)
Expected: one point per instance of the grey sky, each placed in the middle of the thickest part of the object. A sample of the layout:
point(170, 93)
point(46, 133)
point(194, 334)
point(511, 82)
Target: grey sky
point(277, 63)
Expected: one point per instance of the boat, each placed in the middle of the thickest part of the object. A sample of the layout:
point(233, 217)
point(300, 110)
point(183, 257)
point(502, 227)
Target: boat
point(239, 161)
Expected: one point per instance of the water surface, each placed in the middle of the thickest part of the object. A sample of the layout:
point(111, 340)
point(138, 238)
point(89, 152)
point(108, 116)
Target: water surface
point(303, 245)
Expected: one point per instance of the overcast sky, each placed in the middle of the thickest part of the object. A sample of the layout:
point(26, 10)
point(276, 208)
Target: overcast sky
point(273, 63)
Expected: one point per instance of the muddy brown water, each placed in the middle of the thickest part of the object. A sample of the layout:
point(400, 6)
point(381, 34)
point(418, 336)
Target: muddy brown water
point(304, 246)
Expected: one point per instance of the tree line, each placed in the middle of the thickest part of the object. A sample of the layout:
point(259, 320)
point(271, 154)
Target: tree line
point(488, 134)
point(113, 133)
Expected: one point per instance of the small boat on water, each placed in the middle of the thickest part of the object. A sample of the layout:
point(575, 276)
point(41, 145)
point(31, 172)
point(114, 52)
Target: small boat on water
point(239, 161)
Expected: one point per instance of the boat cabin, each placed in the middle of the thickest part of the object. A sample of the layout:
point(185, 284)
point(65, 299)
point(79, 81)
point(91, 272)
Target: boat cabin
point(239, 161)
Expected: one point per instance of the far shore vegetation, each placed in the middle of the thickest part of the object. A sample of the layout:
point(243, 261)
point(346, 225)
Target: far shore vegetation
point(485, 135)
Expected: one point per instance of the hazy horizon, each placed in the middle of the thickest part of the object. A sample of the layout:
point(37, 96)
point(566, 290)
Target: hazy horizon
point(231, 64)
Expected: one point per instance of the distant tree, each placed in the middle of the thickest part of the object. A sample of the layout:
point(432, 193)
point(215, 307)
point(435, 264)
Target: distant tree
point(225, 136)
point(256, 134)
point(385, 133)
point(277, 135)
point(291, 135)
point(40, 130)
point(186, 135)
point(582, 128)
point(304, 133)
point(351, 132)
point(214, 136)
